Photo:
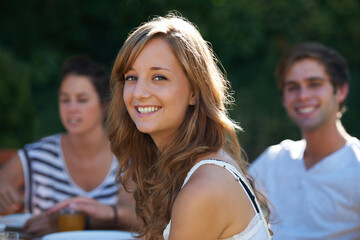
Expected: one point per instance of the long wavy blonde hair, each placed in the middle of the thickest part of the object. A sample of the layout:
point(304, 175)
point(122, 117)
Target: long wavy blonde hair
point(206, 127)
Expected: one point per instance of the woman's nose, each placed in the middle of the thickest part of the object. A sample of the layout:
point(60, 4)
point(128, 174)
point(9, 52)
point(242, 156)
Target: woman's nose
point(72, 106)
point(142, 89)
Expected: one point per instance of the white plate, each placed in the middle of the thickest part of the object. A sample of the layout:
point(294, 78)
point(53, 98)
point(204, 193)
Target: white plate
point(16, 220)
point(89, 235)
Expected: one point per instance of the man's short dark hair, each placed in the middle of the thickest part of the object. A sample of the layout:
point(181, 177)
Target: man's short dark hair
point(335, 65)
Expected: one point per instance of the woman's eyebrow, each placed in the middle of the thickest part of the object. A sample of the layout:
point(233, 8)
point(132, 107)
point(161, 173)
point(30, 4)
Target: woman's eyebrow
point(160, 68)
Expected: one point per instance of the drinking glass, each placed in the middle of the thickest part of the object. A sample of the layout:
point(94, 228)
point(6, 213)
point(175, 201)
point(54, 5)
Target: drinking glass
point(9, 236)
point(71, 220)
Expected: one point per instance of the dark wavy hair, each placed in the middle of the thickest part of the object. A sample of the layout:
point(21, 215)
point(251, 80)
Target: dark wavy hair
point(97, 73)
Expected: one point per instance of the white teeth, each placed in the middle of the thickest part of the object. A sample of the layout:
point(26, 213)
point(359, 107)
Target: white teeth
point(306, 110)
point(73, 121)
point(147, 109)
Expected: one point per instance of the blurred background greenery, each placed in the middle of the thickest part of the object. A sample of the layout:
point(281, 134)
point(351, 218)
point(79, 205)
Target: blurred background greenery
point(248, 36)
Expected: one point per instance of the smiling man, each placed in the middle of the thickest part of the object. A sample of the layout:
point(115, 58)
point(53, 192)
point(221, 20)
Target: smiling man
point(313, 183)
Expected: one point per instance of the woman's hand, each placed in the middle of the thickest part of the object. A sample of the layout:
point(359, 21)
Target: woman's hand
point(89, 206)
point(10, 199)
point(11, 179)
point(99, 216)
point(41, 224)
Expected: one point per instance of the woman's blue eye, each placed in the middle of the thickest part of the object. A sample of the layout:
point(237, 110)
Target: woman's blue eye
point(130, 78)
point(159, 78)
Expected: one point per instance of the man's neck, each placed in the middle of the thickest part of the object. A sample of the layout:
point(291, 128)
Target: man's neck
point(323, 142)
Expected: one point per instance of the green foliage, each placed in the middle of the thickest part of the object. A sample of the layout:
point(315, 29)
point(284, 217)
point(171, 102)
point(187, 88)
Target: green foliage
point(16, 118)
point(248, 36)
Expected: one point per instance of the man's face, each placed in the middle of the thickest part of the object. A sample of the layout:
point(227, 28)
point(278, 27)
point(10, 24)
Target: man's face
point(309, 97)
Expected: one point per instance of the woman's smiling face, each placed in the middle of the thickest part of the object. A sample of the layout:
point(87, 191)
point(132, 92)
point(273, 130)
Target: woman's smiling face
point(157, 91)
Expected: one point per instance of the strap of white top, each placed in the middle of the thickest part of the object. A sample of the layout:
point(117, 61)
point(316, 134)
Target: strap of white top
point(237, 175)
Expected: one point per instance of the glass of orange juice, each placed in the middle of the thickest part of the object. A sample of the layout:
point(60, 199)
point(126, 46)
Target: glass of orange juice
point(71, 220)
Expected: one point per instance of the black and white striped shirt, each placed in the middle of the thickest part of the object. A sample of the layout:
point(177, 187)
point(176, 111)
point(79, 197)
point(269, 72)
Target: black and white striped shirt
point(47, 180)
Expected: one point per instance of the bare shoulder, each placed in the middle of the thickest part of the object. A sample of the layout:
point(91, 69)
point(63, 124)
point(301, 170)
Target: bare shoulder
point(212, 201)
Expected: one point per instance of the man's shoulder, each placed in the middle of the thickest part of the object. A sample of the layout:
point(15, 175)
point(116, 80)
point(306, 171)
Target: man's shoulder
point(287, 146)
point(354, 142)
point(279, 155)
point(354, 148)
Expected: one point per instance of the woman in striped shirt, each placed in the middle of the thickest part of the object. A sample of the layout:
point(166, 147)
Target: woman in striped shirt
point(75, 169)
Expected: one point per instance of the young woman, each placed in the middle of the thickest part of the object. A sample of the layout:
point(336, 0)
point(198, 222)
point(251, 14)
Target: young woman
point(76, 168)
point(169, 128)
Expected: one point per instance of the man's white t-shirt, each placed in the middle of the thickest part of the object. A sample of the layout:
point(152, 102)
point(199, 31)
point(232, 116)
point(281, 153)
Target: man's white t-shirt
point(322, 202)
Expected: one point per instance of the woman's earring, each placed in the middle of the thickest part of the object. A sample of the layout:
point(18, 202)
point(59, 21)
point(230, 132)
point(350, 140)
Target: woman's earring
point(193, 102)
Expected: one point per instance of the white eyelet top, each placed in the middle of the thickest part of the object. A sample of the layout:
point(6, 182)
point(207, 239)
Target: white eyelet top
point(257, 228)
